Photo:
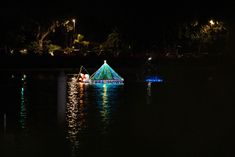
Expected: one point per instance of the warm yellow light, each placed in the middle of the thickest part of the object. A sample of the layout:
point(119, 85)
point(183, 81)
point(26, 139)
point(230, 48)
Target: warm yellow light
point(66, 22)
point(73, 20)
point(212, 22)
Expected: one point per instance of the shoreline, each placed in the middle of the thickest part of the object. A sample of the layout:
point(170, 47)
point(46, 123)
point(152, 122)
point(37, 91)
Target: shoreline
point(48, 62)
point(130, 69)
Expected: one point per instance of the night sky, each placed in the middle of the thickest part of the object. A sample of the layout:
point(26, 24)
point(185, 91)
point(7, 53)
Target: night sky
point(137, 19)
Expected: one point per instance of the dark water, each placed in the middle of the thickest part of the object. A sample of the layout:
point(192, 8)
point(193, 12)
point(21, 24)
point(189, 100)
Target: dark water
point(50, 114)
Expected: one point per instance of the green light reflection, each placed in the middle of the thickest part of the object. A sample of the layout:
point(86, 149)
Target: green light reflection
point(107, 96)
point(23, 105)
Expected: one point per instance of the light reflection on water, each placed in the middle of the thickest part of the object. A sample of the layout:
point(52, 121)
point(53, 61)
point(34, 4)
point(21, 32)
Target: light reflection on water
point(149, 92)
point(83, 99)
point(105, 109)
point(106, 95)
point(75, 116)
point(168, 124)
point(23, 105)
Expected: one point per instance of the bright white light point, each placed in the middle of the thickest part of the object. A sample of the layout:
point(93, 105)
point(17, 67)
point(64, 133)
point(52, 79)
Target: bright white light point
point(212, 22)
point(150, 58)
point(73, 20)
point(104, 61)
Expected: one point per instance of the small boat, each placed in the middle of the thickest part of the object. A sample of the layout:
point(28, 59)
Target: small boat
point(83, 75)
point(151, 73)
point(153, 78)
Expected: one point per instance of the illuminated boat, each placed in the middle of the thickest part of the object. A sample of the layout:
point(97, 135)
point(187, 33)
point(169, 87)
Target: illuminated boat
point(105, 74)
point(150, 73)
point(83, 75)
point(153, 78)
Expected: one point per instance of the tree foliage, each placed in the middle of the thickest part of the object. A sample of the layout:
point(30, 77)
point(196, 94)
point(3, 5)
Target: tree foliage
point(206, 34)
point(113, 43)
point(41, 42)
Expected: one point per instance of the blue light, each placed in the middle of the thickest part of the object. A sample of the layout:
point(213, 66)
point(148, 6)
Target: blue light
point(153, 79)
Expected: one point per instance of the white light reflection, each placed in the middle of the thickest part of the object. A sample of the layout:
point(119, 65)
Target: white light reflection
point(75, 116)
point(149, 92)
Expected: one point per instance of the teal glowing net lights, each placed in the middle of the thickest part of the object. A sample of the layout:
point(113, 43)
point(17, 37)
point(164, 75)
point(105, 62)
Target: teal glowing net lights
point(105, 74)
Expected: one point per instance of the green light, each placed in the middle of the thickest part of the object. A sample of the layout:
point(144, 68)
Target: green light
point(23, 110)
point(106, 73)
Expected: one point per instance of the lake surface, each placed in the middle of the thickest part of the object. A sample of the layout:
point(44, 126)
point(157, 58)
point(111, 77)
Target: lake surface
point(49, 113)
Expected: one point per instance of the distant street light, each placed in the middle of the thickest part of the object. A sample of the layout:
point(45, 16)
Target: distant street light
point(74, 24)
point(212, 22)
point(74, 31)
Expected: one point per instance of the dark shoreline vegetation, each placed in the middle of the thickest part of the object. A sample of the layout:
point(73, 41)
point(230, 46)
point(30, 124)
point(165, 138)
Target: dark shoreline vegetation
point(65, 37)
point(131, 69)
point(19, 62)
